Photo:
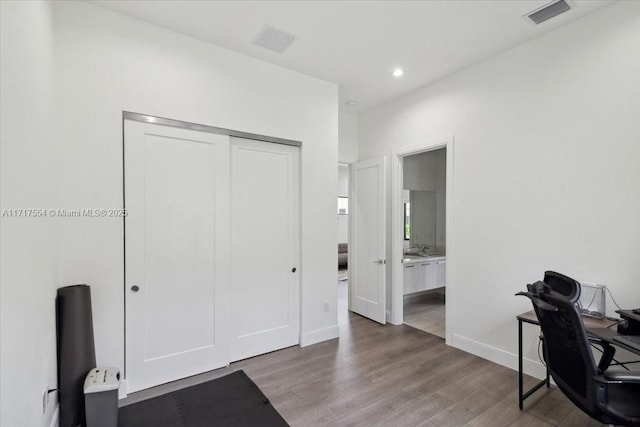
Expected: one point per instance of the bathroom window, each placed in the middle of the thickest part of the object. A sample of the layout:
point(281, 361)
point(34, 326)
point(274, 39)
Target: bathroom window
point(407, 221)
point(343, 206)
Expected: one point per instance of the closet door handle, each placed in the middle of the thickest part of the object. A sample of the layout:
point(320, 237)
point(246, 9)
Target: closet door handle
point(293, 270)
point(135, 288)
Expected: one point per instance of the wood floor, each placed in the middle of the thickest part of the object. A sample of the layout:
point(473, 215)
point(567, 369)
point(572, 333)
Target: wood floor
point(378, 375)
point(398, 376)
point(426, 312)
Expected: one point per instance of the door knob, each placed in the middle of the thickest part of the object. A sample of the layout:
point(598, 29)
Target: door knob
point(293, 270)
point(135, 288)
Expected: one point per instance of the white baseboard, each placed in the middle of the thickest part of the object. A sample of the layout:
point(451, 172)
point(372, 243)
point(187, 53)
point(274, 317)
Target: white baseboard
point(55, 417)
point(510, 360)
point(319, 335)
point(122, 391)
point(389, 319)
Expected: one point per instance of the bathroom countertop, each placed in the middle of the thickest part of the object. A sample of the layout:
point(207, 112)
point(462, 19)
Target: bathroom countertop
point(414, 259)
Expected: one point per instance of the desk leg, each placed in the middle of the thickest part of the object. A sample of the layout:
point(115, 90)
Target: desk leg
point(521, 394)
point(520, 380)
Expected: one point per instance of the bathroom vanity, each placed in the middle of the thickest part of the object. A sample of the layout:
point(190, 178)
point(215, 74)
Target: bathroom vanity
point(423, 273)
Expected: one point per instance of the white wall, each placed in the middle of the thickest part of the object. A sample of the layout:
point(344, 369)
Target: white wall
point(343, 191)
point(27, 181)
point(107, 63)
point(343, 229)
point(347, 153)
point(546, 172)
point(421, 171)
point(348, 137)
point(441, 200)
point(343, 180)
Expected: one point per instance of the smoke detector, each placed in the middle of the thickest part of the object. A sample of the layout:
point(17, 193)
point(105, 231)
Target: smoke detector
point(274, 39)
point(548, 11)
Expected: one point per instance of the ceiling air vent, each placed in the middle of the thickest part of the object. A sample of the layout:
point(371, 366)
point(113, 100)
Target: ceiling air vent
point(274, 39)
point(548, 11)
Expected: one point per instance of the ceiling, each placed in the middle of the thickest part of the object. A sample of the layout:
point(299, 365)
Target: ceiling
point(357, 44)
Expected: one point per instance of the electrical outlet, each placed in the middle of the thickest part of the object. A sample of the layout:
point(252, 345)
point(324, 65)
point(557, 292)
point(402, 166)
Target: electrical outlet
point(45, 399)
point(325, 306)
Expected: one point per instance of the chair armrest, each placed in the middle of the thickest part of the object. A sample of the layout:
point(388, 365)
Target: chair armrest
point(630, 377)
point(608, 351)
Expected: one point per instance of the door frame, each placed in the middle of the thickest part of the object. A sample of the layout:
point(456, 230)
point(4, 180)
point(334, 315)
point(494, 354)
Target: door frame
point(397, 237)
point(146, 118)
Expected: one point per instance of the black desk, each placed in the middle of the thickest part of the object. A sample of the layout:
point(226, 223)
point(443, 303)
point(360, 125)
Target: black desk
point(596, 327)
point(607, 334)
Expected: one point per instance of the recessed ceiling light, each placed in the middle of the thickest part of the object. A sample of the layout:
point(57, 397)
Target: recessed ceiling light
point(398, 72)
point(352, 103)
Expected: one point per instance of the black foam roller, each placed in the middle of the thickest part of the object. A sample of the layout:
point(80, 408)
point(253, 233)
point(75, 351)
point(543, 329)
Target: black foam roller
point(76, 350)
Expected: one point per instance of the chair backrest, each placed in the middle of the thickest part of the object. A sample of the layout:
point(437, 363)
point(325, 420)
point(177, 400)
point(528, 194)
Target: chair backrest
point(567, 349)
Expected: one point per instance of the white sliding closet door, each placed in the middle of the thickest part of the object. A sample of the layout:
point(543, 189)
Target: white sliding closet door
point(264, 247)
point(176, 252)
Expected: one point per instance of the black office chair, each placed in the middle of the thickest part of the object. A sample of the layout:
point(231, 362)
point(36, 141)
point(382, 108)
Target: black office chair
point(611, 397)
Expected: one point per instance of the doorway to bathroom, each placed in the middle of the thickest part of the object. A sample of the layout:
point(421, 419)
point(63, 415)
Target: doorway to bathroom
point(420, 279)
point(424, 241)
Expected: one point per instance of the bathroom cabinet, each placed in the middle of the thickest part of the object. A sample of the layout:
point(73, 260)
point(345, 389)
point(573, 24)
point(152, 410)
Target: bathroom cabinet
point(423, 274)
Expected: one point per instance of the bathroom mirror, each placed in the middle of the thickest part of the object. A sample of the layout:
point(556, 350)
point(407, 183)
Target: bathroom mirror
point(423, 218)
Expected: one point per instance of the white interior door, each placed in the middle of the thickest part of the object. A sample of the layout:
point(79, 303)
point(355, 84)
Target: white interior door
point(176, 253)
point(264, 247)
point(367, 264)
